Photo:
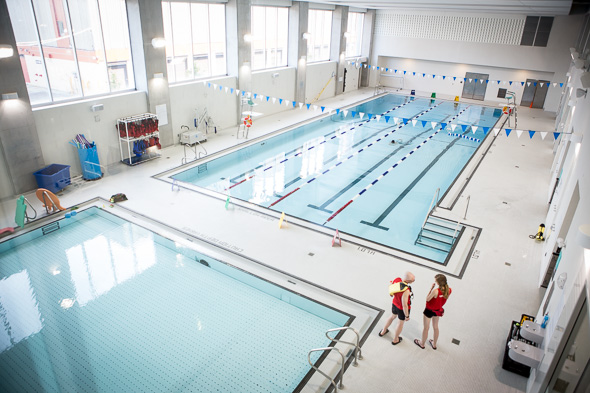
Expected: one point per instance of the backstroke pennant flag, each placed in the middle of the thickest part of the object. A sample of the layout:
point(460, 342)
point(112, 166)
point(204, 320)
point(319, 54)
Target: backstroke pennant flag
point(282, 220)
point(336, 238)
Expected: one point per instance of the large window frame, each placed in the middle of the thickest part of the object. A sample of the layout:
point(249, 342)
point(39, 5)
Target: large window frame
point(319, 27)
point(354, 34)
point(270, 37)
point(189, 55)
point(66, 51)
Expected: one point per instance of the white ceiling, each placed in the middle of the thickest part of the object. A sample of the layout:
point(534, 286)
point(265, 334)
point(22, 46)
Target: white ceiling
point(518, 7)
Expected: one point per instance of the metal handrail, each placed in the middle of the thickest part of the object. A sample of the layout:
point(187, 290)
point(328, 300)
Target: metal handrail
point(340, 385)
point(431, 208)
point(456, 229)
point(467, 207)
point(357, 348)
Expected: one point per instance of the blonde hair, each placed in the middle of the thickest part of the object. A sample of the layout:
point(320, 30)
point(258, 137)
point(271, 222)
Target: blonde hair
point(441, 280)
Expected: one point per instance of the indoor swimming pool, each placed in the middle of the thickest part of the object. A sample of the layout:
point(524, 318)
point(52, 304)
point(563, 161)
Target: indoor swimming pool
point(95, 303)
point(370, 171)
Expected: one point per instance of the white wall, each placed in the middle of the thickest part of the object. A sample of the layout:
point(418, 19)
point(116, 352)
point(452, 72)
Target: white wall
point(189, 98)
point(488, 58)
point(268, 84)
point(318, 76)
point(575, 261)
point(58, 124)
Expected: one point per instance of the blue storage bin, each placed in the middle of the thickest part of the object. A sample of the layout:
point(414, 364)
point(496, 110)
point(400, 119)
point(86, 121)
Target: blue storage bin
point(54, 178)
point(89, 163)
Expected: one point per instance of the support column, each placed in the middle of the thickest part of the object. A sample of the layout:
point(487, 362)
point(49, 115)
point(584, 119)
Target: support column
point(338, 45)
point(239, 51)
point(297, 56)
point(20, 150)
point(366, 47)
point(145, 23)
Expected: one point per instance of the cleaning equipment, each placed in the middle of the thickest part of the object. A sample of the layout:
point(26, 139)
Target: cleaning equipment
point(540, 233)
point(398, 287)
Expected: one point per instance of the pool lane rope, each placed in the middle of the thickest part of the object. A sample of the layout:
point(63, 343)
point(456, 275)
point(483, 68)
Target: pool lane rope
point(389, 170)
point(334, 136)
point(352, 155)
point(469, 138)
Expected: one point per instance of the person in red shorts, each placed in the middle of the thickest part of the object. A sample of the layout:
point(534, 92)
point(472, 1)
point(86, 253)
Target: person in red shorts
point(435, 301)
point(400, 308)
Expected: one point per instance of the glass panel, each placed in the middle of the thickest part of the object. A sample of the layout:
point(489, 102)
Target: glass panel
point(56, 41)
point(29, 52)
point(89, 48)
point(217, 37)
point(355, 34)
point(326, 35)
point(201, 59)
point(258, 37)
point(181, 37)
point(282, 36)
point(271, 37)
point(169, 44)
point(115, 31)
point(320, 29)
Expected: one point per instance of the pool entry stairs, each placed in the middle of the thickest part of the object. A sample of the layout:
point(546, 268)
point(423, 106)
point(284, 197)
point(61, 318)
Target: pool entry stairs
point(439, 233)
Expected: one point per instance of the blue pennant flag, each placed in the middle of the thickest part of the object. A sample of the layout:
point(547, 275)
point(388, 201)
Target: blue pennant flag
point(522, 83)
point(464, 79)
point(404, 72)
point(443, 126)
point(508, 131)
point(231, 90)
point(475, 80)
point(352, 63)
point(510, 83)
point(561, 85)
point(464, 127)
point(454, 78)
point(498, 82)
point(243, 93)
point(424, 123)
point(535, 83)
point(395, 71)
point(556, 135)
point(267, 98)
point(308, 105)
point(485, 130)
point(423, 75)
point(405, 120)
point(487, 80)
point(386, 119)
point(413, 73)
point(323, 107)
point(433, 76)
point(531, 133)
point(444, 77)
point(294, 103)
point(337, 110)
point(208, 84)
point(220, 87)
point(377, 67)
point(353, 113)
point(255, 94)
point(280, 101)
point(387, 70)
point(369, 116)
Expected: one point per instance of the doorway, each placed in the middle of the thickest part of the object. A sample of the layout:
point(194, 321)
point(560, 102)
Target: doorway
point(475, 85)
point(534, 94)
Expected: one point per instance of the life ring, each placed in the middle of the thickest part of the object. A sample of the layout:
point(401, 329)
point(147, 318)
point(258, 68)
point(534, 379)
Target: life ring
point(507, 110)
point(248, 121)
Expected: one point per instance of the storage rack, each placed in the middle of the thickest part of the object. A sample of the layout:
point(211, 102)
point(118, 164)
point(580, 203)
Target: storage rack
point(130, 132)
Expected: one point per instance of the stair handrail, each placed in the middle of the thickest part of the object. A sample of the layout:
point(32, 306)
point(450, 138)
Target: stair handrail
point(456, 229)
point(466, 207)
point(431, 207)
point(340, 385)
point(357, 349)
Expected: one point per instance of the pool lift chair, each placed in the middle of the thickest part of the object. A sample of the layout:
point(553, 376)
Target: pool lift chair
point(188, 141)
point(511, 103)
point(21, 216)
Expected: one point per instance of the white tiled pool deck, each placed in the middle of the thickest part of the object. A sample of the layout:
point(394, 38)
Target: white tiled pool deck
point(508, 201)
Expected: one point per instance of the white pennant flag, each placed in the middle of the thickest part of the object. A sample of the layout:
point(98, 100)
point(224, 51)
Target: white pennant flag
point(365, 66)
point(237, 92)
point(300, 105)
point(541, 84)
point(474, 129)
point(481, 81)
point(315, 107)
point(361, 114)
point(226, 88)
point(215, 85)
point(287, 103)
point(543, 135)
point(345, 112)
point(261, 97)
point(453, 126)
point(470, 80)
point(378, 117)
point(528, 83)
point(496, 131)
point(518, 133)
point(414, 121)
point(204, 83)
point(504, 82)
point(554, 84)
point(274, 99)
point(433, 124)
point(395, 120)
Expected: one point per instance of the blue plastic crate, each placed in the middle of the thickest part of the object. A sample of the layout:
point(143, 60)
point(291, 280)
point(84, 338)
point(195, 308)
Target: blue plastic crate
point(54, 178)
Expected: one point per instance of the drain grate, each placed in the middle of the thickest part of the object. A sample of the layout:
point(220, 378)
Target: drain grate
point(311, 254)
point(455, 341)
point(507, 264)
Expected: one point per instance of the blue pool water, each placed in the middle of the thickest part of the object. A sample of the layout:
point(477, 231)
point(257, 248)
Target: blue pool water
point(99, 304)
point(314, 171)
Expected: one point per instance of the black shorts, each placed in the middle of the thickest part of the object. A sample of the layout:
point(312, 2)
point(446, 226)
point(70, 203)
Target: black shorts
point(400, 313)
point(431, 313)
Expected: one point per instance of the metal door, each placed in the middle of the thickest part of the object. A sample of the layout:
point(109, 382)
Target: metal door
point(540, 94)
point(529, 92)
point(480, 86)
point(469, 85)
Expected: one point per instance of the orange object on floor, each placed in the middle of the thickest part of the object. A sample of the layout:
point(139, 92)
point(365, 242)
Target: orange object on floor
point(51, 205)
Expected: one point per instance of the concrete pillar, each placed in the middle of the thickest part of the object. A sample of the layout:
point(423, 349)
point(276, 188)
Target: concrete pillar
point(338, 45)
point(20, 150)
point(239, 51)
point(297, 56)
point(145, 23)
point(366, 45)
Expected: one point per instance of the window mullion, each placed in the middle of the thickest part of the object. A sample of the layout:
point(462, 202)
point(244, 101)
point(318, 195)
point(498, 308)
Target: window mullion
point(41, 50)
point(209, 38)
point(192, 63)
point(104, 49)
point(69, 21)
point(172, 38)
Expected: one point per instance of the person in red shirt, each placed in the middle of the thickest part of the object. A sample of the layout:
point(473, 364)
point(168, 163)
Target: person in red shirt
point(435, 301)
point(400, 308)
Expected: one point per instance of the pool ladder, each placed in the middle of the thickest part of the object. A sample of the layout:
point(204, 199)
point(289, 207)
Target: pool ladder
point(357, 355)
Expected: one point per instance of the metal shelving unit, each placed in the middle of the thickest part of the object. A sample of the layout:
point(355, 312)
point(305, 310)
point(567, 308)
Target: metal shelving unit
point(141, 132)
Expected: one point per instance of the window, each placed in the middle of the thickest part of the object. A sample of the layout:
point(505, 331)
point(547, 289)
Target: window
point(195, 40)
point(270, 31)
point(72, 48)
point(354, 37)
point(320, 29)
point(536, 30)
